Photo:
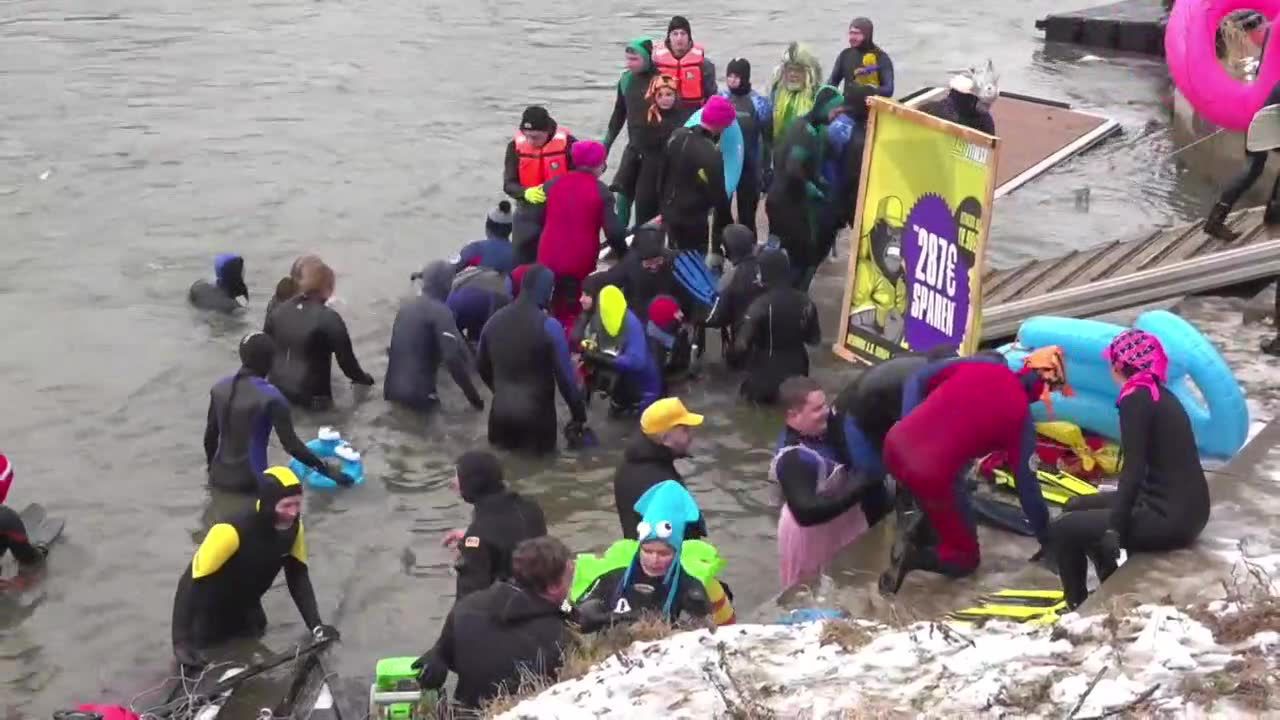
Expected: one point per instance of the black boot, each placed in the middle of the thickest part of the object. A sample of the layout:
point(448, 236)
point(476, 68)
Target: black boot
point(1215, 224)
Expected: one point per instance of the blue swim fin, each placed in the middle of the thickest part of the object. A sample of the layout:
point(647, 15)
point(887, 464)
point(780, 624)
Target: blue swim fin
point(692, 273)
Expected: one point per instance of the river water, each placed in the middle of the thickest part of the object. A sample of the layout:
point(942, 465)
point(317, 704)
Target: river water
point(138, 138)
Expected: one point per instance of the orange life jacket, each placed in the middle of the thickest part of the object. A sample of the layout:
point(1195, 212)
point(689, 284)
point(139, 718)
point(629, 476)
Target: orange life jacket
point(538, 165)
point(686, 71)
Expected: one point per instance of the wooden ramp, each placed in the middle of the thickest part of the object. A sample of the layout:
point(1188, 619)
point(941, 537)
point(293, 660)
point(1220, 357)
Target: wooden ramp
point(1035, 134)
point(1166, 263)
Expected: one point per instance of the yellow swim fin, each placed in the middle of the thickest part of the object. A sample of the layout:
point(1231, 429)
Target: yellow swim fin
point(1066, 481)
point(1051, 494)
point(1017, 613)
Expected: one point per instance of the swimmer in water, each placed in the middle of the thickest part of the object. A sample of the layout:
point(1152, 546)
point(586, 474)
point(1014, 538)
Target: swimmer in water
point(220, 592)
point(243, 410)
point(222, 294)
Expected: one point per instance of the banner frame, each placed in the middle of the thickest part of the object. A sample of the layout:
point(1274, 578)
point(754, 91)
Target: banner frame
point(885, 105)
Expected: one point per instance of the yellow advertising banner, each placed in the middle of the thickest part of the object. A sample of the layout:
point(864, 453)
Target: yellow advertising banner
point(920, 234)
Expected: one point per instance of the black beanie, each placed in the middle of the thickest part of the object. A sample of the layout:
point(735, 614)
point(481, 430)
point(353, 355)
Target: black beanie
point(678, 22)
point(497, 223)
point(740, 67)
point(257, 351)
point(536, 117)
point(479, 474)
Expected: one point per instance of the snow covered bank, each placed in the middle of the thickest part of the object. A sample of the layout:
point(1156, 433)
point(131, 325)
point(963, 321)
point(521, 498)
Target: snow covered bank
point(1220, 657)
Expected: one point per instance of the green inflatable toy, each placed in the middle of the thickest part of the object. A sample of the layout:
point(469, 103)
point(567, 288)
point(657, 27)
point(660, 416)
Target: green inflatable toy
point(699, 558)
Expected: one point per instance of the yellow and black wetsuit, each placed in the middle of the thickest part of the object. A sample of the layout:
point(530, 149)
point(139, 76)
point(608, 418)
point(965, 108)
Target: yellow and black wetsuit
point(220, 593)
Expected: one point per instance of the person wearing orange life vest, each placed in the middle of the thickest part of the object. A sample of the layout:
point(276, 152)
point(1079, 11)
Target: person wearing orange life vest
point(540, 151)
point(679, 58)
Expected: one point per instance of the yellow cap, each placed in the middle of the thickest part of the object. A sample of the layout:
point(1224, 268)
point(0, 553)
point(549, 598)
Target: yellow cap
point(666, 414)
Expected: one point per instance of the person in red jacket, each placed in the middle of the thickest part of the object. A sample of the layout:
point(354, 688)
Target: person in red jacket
point(955, 411)
point(579, 208)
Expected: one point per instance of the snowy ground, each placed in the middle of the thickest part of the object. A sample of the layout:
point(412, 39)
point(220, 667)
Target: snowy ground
point(1151, 659)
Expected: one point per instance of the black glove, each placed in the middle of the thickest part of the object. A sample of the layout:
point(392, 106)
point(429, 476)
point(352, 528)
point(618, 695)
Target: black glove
point(430, 676)
point(189, 658)
point(324, 632)
point(592, 615)
point(333, 470)
point(366, 379)
point(577, 435)
point(1045, 558)
point(478, 405)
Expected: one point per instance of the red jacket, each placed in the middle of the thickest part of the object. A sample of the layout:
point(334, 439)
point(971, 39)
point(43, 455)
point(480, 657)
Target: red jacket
point(579, 208)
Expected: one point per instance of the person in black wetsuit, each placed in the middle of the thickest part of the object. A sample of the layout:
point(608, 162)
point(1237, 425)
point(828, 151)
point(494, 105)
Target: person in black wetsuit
point(496, 638)
point(13, 532)
point(874, 398)
point(799, 192)
point(1255, 163)
point(631, 109)
point(693, 180)
point(1162, 502)
point(739, 286)
point(523, 357)
point(755, 119)
point(290, 285)
point(647, 144)
point(228, 284)
point(308, 335)
point(774, 331)
point(423, 336)
point(645, 273)
point(501, 519)
point(863, 62)
point(665, 434)
point(243, 410)
point(220, 592)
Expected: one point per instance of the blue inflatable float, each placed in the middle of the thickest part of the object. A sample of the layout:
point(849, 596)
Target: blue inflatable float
point(328, 445)
point(1198, 376)
point(731, 148)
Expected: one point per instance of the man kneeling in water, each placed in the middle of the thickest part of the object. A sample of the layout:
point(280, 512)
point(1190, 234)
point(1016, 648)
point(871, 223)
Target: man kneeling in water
point(220, 593)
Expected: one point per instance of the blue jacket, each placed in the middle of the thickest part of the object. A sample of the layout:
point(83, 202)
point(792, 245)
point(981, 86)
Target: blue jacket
point(636, 365)
point(493, 253)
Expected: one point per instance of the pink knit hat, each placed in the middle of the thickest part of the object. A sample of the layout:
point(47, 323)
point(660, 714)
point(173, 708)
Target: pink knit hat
point(6, 477)
point(718, 113)
point(588, 154)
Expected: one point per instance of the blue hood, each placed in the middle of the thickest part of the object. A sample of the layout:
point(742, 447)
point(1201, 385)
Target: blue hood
point(665, 511)
point(228, 273)
point(537, 285)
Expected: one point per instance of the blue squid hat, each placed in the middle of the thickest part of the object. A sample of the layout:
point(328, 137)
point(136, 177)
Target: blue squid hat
point(665, 511)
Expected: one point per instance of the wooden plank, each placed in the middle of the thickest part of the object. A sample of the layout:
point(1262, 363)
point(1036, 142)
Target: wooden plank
point(1010, 279)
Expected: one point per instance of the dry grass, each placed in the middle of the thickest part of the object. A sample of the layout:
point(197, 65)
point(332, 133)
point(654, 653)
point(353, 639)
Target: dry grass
point(1250, 684)
point(584, 653)
point(845, 633)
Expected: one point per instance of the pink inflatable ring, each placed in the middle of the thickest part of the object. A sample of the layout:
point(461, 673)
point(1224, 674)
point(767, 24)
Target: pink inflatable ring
point(1189, 46)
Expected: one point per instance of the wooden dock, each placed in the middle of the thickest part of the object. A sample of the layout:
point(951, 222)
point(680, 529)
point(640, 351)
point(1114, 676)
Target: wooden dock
point(1159, 265)
point(1036, 134)
point(1135, 26)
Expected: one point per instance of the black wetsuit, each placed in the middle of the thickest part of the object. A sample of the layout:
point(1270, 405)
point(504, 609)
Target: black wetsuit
point(1162, 502)
point(491, 639)
point(424, 335)
point(220, 295)
point(646, 463)
point(639, 284)
point(643, 596)
point(220, 592)
point(757, 138)
point(693, 186)
point(308, 335)
point(13, 538)
point(774, 332)
point(243, 410)
point(648, 142)
point(500, 521)
point(874, 398)
point(798, 479)
point(962, 109)
point(739, 287)
point(523, 357)
point(630, 109)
